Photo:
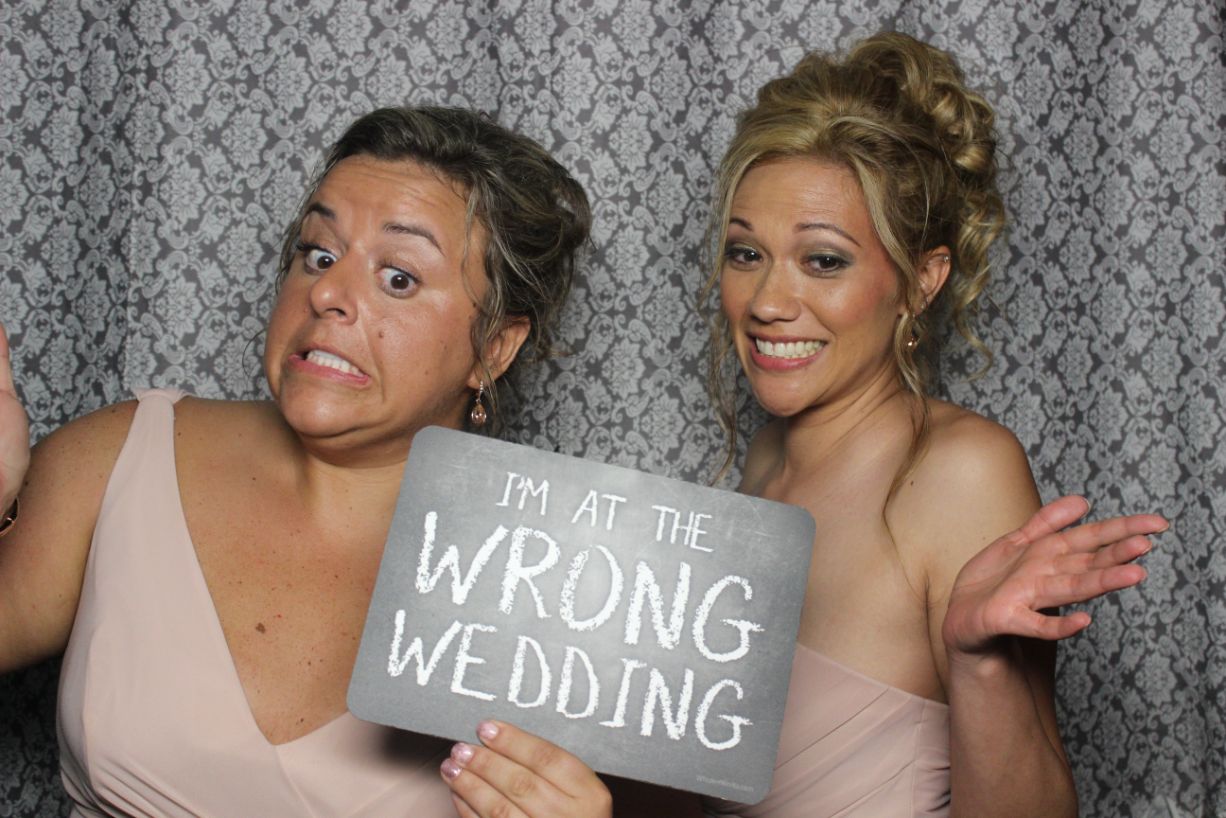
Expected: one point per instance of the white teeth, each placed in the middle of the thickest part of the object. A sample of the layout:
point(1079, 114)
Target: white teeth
point(788, 349)
point(321, 358)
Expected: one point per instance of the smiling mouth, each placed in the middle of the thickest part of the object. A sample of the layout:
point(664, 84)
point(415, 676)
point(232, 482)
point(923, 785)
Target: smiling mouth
point(330, 361)
point(788, 349)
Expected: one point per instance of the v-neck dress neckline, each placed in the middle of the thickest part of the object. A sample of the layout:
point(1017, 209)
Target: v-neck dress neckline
point(153, 718)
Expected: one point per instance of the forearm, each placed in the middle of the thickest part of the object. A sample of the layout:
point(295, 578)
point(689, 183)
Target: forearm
point(1003, 760)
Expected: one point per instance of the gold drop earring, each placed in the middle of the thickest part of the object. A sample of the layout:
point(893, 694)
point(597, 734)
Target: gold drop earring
point(478, 415)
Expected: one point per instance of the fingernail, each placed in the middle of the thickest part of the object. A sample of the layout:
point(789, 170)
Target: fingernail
point(450, 769)
point(487, 730)
point(462, 753)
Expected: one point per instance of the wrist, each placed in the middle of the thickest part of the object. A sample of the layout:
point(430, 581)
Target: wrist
point(999, 658)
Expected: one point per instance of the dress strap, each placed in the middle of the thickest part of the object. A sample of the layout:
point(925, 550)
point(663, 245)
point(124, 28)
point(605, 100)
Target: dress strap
point(172, 395)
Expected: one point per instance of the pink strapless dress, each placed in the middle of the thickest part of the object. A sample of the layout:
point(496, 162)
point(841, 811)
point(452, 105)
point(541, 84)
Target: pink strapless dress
point(153, 720)
point(853, 747)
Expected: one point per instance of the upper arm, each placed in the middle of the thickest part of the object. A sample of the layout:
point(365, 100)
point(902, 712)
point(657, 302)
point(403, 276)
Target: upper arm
point(42, 559)
point(972, 486)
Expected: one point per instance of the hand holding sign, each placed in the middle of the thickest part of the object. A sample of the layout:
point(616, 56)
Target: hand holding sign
point(645, 624)
point(520, 775)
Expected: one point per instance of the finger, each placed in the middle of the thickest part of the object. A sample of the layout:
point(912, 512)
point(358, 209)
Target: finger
point(1050, 628)
point(466, 775)
point(1122, 552)
point(461, 807)
point(1104, 532)
point(6, 368)
point(544, 758)
point(1068, 589)
point(1118, 553)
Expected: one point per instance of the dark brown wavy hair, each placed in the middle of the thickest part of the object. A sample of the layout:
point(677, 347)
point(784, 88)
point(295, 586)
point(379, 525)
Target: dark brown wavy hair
point(535, 214)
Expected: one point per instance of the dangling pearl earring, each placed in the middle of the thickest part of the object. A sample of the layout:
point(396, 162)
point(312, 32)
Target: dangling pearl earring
point(478, 416)
point(913, 341)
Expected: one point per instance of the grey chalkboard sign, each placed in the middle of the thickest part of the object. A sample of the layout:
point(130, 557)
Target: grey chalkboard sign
point(645, 624)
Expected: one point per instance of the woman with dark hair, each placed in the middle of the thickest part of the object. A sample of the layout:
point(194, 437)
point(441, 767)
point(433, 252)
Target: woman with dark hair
point(206, 566)
point(857, 203)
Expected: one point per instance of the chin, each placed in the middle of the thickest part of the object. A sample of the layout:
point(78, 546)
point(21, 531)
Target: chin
point(314, 412)
point(318, 424)
point(782, 406)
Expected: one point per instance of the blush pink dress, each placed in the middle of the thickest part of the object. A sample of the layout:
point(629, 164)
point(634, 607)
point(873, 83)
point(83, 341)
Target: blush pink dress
point(153, 720)
point(853, 747)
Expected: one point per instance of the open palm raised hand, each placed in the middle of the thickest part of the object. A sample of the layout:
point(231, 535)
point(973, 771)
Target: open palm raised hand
point(14, 431)
point(1005, 588)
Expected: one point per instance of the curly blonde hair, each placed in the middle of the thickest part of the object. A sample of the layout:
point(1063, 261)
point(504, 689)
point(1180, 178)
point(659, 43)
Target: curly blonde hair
point(897, 113)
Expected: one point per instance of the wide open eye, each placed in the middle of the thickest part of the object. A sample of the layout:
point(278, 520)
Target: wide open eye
point(317, 258)
point(397, 282)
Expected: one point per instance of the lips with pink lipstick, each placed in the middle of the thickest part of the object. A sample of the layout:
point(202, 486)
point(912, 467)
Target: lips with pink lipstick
point(326, 364)
point(782, 354)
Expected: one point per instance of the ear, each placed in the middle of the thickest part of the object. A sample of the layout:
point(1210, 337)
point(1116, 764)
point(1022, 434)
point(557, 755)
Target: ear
point(933, 271)
point(501, 350)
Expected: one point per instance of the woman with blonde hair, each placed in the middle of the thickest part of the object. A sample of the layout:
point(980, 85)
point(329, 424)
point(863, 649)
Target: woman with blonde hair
point(857, 203)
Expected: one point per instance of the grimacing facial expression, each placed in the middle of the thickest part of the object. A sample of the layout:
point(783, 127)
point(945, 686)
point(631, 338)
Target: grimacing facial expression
point(810, 293)
point(370, 339)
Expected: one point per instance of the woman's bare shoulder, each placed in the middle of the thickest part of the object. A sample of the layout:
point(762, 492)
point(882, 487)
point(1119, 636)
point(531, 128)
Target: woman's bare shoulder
point(43, 559)
point(967, 447)
point(90, 443)
point(971, 485)
point(211, 411)
point(224, 428)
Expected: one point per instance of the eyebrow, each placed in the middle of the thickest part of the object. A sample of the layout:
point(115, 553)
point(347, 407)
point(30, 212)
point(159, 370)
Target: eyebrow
point(803, 226)
point(390, 227)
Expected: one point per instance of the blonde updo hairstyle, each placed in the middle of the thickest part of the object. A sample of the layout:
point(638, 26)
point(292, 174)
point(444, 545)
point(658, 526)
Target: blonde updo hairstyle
point(896, 113)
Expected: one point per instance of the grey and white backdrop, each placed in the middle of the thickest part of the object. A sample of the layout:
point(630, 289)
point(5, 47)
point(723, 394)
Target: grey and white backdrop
point(151, 150)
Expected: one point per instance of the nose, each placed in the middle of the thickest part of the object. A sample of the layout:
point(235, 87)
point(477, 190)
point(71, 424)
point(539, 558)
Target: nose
point(333, 294)
point(774, 298)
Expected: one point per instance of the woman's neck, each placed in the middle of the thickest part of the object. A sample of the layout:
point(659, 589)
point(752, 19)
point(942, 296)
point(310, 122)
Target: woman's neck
point(341, 478)
point(813, 436)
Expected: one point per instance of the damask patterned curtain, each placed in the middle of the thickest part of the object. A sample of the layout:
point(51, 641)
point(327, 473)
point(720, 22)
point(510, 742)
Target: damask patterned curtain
point(153, 149)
